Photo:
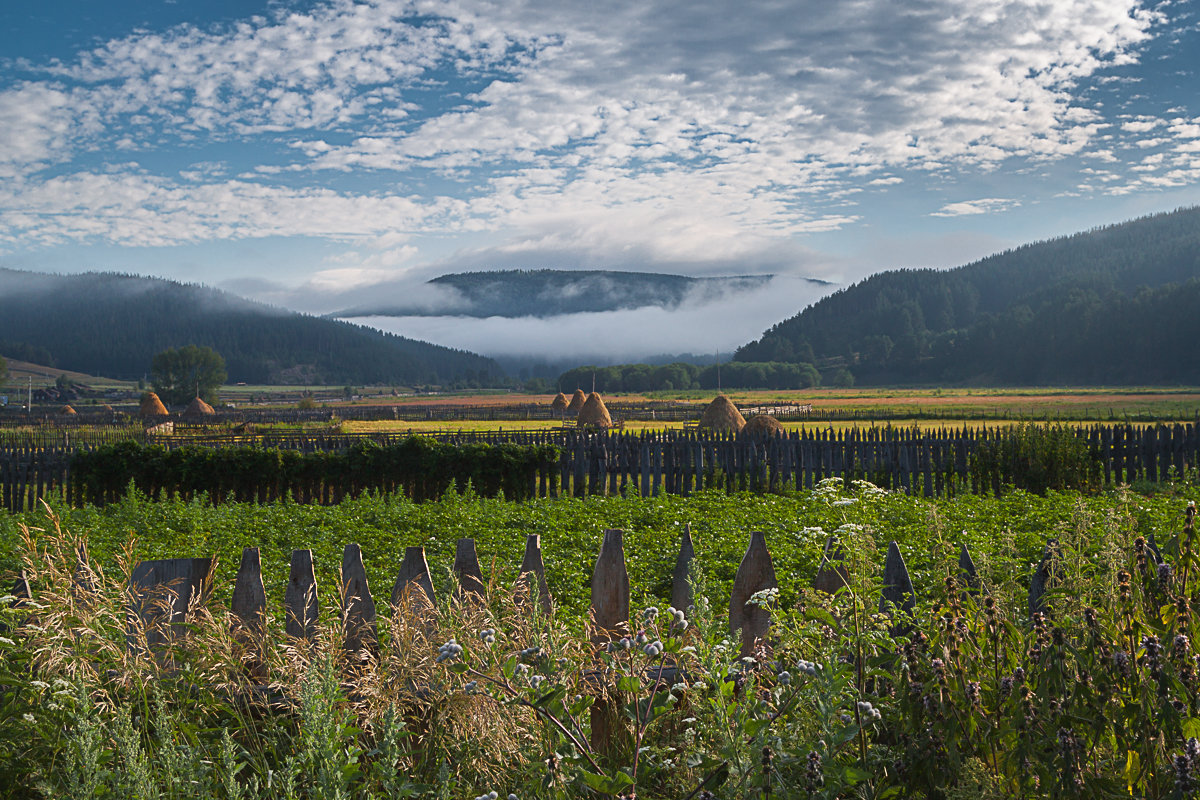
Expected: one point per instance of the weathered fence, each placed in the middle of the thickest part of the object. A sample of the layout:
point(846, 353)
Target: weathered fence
point(931, 463)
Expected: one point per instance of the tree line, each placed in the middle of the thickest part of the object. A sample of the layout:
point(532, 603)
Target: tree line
point(683, 376)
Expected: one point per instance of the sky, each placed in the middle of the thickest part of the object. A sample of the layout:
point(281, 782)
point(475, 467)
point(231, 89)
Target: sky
point(295, 151)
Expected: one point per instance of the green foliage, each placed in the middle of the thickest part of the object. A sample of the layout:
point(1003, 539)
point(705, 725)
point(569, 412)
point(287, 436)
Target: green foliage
point(1037, 458)
point(3, 370)
point(180, 374)
point(418, 467)
point(970, 696)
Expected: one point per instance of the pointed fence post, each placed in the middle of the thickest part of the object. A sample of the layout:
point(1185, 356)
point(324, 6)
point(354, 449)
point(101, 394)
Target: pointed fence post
point(1042, 577)
point(358, 607)
point(681, 579)
point(832, 574)
point(161, 593)
point(249, 608)
point(966, 570)
point(610, 620)
point(532, 576)
point(413, 590)
point(610, 590)
point(300, 598)
point(897, 594)
point(466, 568)
point(756, 573)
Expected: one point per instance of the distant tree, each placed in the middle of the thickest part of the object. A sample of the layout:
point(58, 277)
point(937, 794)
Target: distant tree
point(842, 379)
point(180, 374)
point(3, 370)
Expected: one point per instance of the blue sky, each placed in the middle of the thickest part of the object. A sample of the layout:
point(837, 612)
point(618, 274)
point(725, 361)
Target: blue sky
point(295, 152)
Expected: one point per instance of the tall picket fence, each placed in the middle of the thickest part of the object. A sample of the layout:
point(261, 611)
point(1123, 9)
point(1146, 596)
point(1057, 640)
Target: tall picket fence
point(930, 463)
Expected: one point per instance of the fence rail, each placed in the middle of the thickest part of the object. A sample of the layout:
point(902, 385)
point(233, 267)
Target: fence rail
point(681, 462)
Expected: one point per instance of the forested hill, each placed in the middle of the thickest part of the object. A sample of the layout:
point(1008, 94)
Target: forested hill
point(1115, 305)
point(112, 325)
point(552, 292)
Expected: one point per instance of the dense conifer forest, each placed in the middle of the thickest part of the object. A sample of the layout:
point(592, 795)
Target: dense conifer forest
point(113, 325)
point(1114, 305)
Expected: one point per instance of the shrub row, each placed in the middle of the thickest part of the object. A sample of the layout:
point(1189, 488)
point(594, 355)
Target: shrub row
point(418, 467)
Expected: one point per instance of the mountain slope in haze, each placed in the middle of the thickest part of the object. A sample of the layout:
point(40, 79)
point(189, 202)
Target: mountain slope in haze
point(550, 292)
point(1114, 305)
point(110, 324)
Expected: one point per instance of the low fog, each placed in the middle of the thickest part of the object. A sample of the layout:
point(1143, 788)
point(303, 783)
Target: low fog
point(703, 324)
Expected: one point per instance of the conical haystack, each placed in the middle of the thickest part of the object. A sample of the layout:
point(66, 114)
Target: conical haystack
point(594, 414)
point(198, 408)
point(559, 403)
point(67, 410)
point(762, 425)
point(722, 415)
point(152, 406)
point(577, 401)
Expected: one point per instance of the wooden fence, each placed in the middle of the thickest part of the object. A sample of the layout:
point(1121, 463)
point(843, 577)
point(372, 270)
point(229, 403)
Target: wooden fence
point(162, 593)
point(931, 463)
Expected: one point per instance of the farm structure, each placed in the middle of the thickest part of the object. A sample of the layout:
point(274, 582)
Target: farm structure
point(674, 462)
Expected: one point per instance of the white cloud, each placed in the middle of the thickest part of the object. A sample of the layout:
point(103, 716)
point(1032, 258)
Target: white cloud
point(671, 131)
point(988, 205)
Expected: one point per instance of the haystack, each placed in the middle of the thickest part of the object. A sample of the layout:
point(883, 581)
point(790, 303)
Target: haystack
point(577, 401)
point(198, 408)
point(722, 415)
point(594, 414)
point(67, 410)
point(152, 406)
point(762, 425)
point(559, 403)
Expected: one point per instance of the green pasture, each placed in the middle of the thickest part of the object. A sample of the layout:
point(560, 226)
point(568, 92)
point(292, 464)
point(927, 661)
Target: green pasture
point(1004, 534)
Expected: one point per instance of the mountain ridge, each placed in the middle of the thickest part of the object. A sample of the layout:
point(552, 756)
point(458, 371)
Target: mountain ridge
point(112, 324)
point(555, 292)
point(1106, 305)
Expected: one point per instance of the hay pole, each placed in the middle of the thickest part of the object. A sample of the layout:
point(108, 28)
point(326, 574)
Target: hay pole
point(832, 574)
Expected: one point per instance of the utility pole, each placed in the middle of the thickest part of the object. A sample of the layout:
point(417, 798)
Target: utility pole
point(29, 404)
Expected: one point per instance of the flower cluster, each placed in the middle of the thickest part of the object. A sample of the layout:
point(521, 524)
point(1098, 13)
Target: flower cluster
point(449, 651)
point(867, 711)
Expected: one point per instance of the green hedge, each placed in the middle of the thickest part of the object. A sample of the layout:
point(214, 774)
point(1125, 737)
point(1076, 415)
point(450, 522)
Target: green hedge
point(418, 467)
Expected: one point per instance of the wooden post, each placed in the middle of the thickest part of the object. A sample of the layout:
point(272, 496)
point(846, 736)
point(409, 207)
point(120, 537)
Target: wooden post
point(358, 607)
point(532, 576)
point(610, 590)
point(681, 578)
point(249, 608)
point(832, 574)
point(610, 620)
point(466, 568)
point(300, 599)
point(161, 592)
point(413, 582)
point(755, 574)
point(897, 585)
point(966, 570)
point(1039, 582)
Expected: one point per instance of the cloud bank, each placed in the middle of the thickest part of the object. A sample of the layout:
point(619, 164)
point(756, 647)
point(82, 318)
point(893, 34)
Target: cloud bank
point(710, 136)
